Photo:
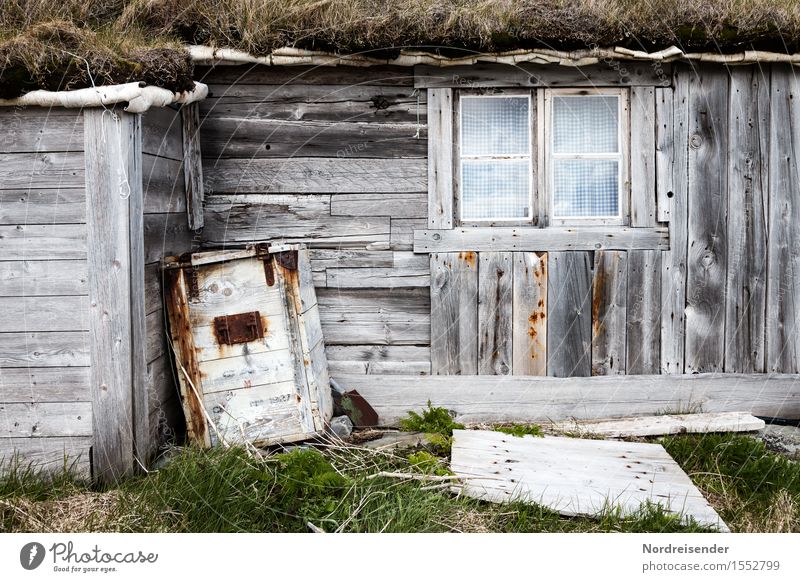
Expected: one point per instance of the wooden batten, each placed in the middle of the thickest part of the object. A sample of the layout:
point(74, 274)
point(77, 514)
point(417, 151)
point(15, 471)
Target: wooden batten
point(192, 164)
point(114, 216)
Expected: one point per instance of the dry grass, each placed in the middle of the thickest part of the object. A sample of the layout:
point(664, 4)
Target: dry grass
point(44, 43)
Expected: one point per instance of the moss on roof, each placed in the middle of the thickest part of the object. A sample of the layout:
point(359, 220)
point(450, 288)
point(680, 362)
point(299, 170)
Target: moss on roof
point(70, 43)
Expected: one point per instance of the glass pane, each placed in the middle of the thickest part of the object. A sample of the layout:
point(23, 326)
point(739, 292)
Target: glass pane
point(494, 126)
point(585, 188)
point(583, 124)
point(494, 189)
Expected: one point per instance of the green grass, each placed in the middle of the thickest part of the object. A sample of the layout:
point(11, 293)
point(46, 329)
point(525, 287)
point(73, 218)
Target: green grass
point(336, 489)
point(520, 430)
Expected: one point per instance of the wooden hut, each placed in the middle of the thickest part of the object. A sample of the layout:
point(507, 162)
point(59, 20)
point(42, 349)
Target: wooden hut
point(513, 235)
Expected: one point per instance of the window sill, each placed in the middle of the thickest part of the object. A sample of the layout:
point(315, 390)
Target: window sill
point(553, 238)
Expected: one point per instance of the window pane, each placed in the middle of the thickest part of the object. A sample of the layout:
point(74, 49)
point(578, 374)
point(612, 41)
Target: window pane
point(584, 124)
point(494, 126)
point(494, 189)
point(585, 188)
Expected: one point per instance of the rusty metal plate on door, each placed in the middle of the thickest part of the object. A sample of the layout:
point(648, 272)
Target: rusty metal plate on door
point(238, 329)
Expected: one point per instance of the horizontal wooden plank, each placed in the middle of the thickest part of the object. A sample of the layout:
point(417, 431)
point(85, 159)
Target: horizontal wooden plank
point(378, 277)
point(382, 328)
point(313, 175)
point(167, 235)
point(370, 359)
point(41, 130)
point(540, 239)
point(244, 373)
point(392, 76)
point(161, 133)
point(300, 102)
point(392, 204)
point(376, 300)
point(45, 277)
point(290, 218)
point(46, 419)
point(49, 454)
point(153, 298)
point(44, 349)
point(477, 399)
point(42, 170)
point(155, 339)
point(643, 426)
point(43, 242)
point(163, 185)
point(43, 206)
point(252, 138)
point(44, 384)
point(54, 313)
point(403, 229)
point(322, 259)
point(609, 74)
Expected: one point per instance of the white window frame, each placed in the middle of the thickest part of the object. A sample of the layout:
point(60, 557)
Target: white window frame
point(529, 156)
point(540, 156)
point(546, 135)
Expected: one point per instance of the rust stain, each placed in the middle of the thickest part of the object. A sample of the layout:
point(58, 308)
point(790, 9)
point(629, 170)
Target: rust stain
point(598, 298)
point(469, 257)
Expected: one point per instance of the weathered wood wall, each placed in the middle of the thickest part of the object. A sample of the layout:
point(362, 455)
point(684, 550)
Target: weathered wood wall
point(338, 158)
point(166, 233)
point(334, 158)
point(45, 405)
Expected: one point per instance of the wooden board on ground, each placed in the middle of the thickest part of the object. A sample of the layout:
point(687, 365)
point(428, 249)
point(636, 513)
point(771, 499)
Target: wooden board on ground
point(664, 424)
point(576, 476)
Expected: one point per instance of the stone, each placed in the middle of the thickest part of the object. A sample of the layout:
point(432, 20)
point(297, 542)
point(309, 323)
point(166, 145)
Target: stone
point(783, 439)
point(341, 426)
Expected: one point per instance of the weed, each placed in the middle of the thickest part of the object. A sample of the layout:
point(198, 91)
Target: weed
point(433, 421)
point(520, 430)
point(425, 462)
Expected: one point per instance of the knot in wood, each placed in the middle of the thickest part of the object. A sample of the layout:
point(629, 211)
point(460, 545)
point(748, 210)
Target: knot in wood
point(696, 140)
point(708, 259)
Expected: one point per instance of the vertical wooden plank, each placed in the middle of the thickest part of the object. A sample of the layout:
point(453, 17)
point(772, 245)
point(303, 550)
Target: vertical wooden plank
point(495, 276)
point(643, 153)
point(665, 152)
point(113, 195)
point(529, 319)
point(192, 165)
point(609, 300)
point(454, 313)
point(673, 265)
point(569, 317)
point(707, 226)
point(783, 268)
point(440, 158)
point(643, 321)
point(748, 151)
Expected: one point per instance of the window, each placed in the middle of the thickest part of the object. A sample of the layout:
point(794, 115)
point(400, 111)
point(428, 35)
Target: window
point(577, 175)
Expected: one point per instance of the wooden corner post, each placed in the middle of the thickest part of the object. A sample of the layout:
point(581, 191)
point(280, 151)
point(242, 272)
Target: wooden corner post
point(115, 240)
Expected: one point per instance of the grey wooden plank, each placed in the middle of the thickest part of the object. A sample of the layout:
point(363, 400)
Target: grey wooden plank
point(379, 327)
point(163, 185)
point(402, 235)
point(46, 419)
point(44, 384)
point(371, 359)
point(167, 235)
point(381, 75)
point(43, 241)
point(783, 268)
point(322, 259)
point(113, 143)
point(43, 206)
point(153, 298)
point(748, 159)
point(192, 165)
point(440, 158)
point(248, 137)
point(707, 226)
point(44, 349)
point(495, 303)
point(664, 424)
point(569, 317)
point(525, 399)
point(161, 133)
point(377, 277)
point(643, 321)
point(529, 321)
point(536, 75)
point(41, 130)
point(41, 170)
point(400, 299)
point(540, 239)
point(609, 311)
point(53, 313)
point(41, 278)
point(290, 218)
point(50, 454)
point(665, 152)
point(392, 204)
point(673, 266)
point(454, 313)
point(643, 156)
point(313, 175)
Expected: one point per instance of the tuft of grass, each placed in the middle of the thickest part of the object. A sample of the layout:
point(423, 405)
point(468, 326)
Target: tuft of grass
point(754, 490)
point(520, 430)
point(432, 420)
